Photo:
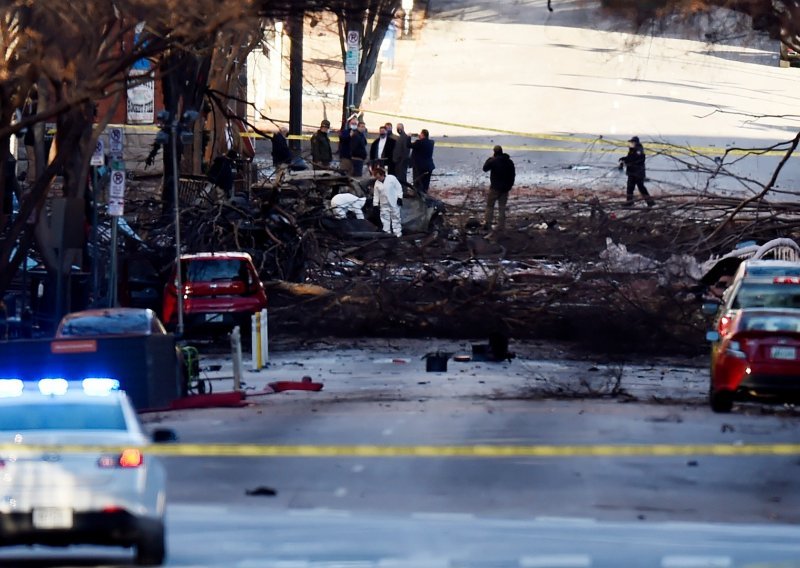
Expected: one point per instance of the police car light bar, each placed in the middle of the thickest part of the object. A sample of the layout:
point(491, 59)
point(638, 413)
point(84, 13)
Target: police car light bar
point(11, 387)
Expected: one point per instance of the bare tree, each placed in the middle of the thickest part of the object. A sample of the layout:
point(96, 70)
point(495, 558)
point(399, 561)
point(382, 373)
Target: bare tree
point(371, 19)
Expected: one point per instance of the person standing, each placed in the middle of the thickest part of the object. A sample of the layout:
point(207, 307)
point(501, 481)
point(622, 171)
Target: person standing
point(634, 162)
point(389, 197)
point(381, 151)
point(345, 148)
point(422, 161)
point(402, 149)
point(501, 179)
point(358, 148)
point(321, 154)
point(280, 148)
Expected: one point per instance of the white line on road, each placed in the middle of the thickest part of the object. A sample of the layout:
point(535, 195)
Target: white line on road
point(423, 516)
point(696, 562)
point(556, 561)
point(566, 520)
point(319, 512)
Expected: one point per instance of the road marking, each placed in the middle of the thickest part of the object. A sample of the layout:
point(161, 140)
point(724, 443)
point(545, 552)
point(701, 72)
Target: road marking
point(556, 561)
point(428, 516)
point(696, 562)
point(319, 512)
point(426, 451)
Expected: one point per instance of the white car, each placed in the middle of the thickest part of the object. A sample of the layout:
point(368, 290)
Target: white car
point(53, 495)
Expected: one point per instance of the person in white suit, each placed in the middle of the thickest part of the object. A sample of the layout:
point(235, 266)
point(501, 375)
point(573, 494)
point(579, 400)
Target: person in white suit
point(389, 197)
point(350, 200)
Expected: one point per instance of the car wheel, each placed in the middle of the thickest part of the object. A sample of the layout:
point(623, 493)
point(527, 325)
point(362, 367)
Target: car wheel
point(151, 549)
point(721, 401)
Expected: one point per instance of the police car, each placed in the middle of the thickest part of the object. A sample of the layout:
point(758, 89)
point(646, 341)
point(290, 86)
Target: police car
point(73, 469)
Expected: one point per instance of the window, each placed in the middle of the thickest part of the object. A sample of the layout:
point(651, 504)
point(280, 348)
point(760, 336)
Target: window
point(66, 416)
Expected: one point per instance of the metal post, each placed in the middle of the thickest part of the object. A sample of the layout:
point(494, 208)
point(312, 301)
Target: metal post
point(96, 256)
point(264, 333)
point(255, 344)
point(112, 280)
point(236, 354)
point(296, 79)
point(178, 276)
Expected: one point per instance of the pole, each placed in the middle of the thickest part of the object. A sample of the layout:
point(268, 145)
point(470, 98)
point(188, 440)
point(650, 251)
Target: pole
point(296, 79)
point(96, 255)
point(236, 355)
point(112, 280)
point(178, 276)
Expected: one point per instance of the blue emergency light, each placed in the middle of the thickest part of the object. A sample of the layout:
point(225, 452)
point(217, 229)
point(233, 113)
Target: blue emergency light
point(55, 386)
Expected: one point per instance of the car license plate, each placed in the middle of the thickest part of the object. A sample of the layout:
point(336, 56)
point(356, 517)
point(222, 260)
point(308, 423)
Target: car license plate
point(784, 353)
point(214, 318)
point(52, 518)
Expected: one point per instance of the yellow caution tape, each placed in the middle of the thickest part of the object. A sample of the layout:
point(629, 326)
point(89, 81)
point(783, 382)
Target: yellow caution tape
point(427, 451)
point(597, 145)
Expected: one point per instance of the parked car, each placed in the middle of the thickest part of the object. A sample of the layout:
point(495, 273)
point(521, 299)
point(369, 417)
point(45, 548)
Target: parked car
point(110, 322)
point(98, 497)
point(758, 358)
point(758, 284)
point(220, 290)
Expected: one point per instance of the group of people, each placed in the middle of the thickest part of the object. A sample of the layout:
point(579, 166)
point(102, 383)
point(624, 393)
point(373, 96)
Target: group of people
point(391, 153)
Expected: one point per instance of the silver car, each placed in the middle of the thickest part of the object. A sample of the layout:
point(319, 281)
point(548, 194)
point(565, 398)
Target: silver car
point(51, 494)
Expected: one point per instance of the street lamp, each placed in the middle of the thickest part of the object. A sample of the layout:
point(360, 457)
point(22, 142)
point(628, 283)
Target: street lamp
point(170, 130)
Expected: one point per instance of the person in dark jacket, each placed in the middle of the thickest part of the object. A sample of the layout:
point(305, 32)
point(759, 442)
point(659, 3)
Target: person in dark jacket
point(422, 161)
point(382, 150)
point(358, 148)
point(501, 179)
point(400, 156)
point(321, 154)
point(280, 148)
point(634, 162)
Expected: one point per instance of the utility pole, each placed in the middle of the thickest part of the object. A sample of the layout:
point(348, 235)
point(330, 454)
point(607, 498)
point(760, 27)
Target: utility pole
point(296, 79)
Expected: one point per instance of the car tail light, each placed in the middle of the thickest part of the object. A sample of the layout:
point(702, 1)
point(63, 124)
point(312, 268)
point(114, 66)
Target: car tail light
point(724, 324)
point(786, 280)
point(130, 457)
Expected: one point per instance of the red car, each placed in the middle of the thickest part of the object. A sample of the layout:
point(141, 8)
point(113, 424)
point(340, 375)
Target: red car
point(220, 289)
point(757, 357)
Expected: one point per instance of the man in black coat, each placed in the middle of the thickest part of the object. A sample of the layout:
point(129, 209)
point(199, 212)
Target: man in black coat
point(381, 151)
point(280, 148)
point(501, 180)
point(634, 162)
point(422, 161)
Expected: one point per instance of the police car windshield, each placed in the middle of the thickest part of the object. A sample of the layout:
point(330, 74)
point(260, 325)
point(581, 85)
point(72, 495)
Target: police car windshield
point(61, 416)
point(767, 295)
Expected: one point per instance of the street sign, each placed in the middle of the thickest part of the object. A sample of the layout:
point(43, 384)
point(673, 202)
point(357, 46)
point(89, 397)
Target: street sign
point(98, 156)
point(352, 56)
point(116, 141)
point(116, 189)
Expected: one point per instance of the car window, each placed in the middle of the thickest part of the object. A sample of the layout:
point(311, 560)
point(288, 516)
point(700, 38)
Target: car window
point(769, 270)
point(771, 323)
point(218, 269)
point(767, 296)
point(65, 416)
point(114, 323)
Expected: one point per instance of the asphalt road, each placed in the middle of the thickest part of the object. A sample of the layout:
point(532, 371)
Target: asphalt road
point(483, 69)
point(674, 511)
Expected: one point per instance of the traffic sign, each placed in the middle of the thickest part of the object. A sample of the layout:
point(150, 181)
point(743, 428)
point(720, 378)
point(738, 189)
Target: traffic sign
point(116, 140)
point(98, 156)
point(352, 56)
